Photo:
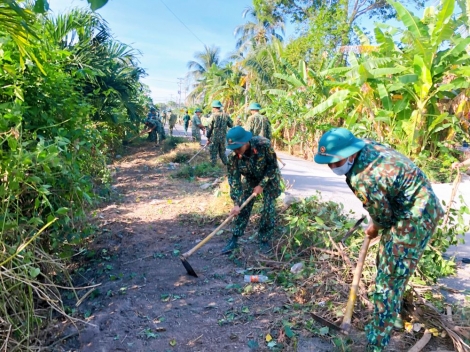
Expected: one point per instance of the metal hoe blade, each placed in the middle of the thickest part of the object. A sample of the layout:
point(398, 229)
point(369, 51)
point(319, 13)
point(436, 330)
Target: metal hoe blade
point(325, 322)
point(188, 267)
point(352, 229)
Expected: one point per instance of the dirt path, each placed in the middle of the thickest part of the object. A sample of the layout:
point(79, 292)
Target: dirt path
point(146, 301)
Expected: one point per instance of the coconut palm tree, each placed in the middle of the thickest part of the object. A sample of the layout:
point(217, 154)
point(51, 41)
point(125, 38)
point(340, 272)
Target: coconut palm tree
point(108, 68)
point(258, 31)
point(199, 69)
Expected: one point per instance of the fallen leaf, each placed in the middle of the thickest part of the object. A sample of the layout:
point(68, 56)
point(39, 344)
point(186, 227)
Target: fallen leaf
point(408, 326)
point(434, 332)
point(272, 344)
point(288, 331)
point(282, 336)
point(173, 343)
point(253, 344)
point(268, 337)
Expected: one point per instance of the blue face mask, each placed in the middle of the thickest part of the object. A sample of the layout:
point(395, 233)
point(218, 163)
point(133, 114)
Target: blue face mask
point(343, 169)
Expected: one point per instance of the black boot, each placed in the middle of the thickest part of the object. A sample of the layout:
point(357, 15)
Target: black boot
point(231, 245)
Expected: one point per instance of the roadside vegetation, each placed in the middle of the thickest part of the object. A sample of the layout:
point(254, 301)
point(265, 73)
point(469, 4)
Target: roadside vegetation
point(70, 94)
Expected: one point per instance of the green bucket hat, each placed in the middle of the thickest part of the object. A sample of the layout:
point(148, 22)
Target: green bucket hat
point(198, 110)
point(217, 104)
point(237, 137)
point(337, 144)
point(152, 108)
point(255, 106)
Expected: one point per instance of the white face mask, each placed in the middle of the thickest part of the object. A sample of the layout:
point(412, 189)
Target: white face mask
point(343, 169)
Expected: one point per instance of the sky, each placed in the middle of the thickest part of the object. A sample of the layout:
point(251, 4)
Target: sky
point(164, 42)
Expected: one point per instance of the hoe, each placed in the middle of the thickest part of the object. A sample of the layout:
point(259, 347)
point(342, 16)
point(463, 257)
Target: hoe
point(185, 256)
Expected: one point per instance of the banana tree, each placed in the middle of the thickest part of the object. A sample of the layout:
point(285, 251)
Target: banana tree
point(398, 89)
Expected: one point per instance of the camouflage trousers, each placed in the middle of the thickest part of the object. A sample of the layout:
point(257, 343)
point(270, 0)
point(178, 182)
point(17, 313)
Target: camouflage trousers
point(267, 221)
point(196, 135)
point(171, 129)
point(152, 136)
point(161, 132)
point(400, 250)
point(218, 148)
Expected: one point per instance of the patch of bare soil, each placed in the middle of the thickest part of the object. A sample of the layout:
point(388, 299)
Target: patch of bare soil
point(147, 302)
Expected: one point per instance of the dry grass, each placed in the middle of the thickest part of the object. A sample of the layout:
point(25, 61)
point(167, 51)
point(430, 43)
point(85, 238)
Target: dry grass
point(183, 152)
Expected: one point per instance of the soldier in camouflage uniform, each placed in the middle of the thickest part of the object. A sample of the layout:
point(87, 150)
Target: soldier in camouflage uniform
point(163, 117)
point(255, 160)
point(216, 132)
point(196, 125)
point(258, 124)
point(172, 121)
point(402, 205)
point(186, 119)
point(160, 131)
point(151, 124)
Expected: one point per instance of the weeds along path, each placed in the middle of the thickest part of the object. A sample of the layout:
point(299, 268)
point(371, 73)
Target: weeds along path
point(146, 302)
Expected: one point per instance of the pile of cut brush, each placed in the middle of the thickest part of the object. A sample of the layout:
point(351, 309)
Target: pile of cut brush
point(312, 236)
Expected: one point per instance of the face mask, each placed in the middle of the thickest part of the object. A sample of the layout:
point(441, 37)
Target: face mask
point(344, 169)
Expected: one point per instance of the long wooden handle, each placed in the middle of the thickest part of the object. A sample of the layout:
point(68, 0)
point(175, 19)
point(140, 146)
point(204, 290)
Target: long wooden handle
point(346, 325)
point(452, 196)
point(204, 241)
point(197, 153)
point(283, 163)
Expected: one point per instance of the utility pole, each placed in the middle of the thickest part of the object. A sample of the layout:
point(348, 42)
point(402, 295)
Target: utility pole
point(179, 92)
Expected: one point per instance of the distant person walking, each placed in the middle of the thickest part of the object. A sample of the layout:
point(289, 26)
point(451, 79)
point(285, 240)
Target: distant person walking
point(217, 131)
point(186, 119)
point(172, 121)
point(258, 124)
point(197, 126)
point(163, 117)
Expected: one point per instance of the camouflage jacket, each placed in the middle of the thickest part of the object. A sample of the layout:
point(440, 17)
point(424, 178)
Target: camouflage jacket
point(259, 125)
point(172, 119)
point(218, 127)
point(258, 166)
point(391, 187)
point(194, 124)
point(151, 120)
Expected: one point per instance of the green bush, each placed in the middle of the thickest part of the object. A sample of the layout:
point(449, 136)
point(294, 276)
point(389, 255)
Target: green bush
point(171, 143)
point(204, 169)
point(58, 122)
